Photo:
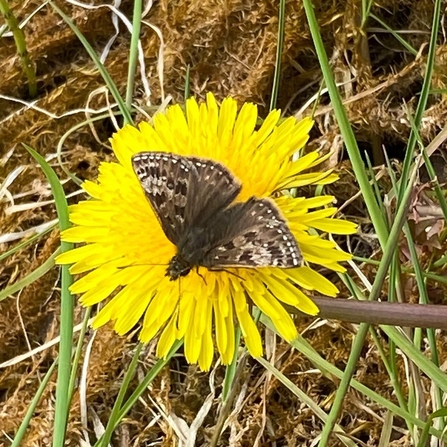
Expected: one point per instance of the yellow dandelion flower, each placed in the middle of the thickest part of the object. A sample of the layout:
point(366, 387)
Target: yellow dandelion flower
point(126, 252)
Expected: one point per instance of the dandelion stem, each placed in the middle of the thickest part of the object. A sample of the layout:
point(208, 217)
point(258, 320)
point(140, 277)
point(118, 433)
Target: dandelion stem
point(373, 312)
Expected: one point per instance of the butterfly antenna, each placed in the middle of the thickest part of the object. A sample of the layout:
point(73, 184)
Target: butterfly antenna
point(141, 265)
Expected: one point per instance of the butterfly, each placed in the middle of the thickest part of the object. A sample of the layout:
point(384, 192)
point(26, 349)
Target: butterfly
point(193, 199)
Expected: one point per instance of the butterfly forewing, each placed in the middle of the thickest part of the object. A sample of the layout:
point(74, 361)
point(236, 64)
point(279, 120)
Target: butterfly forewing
point(165, 180)
point(184, 191)
point(255, 235)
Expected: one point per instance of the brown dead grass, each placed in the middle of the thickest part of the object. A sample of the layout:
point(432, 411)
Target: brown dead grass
point(230, 47)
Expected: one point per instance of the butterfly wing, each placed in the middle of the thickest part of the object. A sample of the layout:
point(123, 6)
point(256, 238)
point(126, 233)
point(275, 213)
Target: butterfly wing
point(252, 234)
point(184, 191)
point(214, 189)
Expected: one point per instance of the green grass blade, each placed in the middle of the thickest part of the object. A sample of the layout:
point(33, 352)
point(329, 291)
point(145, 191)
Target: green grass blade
point(19, 39)
point(104, 73)
point(397, 36)
point(441, 413)
point(324, 365)
point(425, 92)
point(303, 397)
point(119, 410)
point(29, 279)
point(133, 53)
point(150, 376)
point(67, 305)
point(391, 369)
point(18, 438)
point(342, 389)
point(425, 364)
point(437, 187)
point(230, 370)
point(78, 353)
point(375, 184)
point(114, 416)
point(395, 282)
point(390, 247)
point(187, 91)
point(25, 243)
point(345, 127)
point(279, 51)
point(385, 435)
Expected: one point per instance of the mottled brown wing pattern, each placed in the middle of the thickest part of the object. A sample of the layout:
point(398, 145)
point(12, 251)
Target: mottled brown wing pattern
point(257, 236)
point(165, 180)
point(184, 191)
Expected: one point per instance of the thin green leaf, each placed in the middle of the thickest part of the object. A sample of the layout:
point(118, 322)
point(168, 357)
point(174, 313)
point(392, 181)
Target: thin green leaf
point(22, 52)
point(187, 92)
point(18, 438)
point(133, 53)
point(29, 279)
point(334, 371)
point(425, 364)
point(366, 8)
point(345, 127)
point(397, 36)
point(114, 417)
point(303, 397)
point(441, 413)
point(63, 377)
point(385, 436)
point(26, 242)
point(104, 73)
point(342, 389)
point(425, 91)
point(119, 411)
point(374, 183)
point(230, 370)
point(279, 51)
point(78, 353)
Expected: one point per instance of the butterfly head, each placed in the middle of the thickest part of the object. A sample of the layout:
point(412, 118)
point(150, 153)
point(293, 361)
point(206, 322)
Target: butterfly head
point(177, 267)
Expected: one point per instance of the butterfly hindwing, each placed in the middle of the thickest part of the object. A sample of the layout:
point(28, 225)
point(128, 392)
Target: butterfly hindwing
point(253, 234)
point(184, 191)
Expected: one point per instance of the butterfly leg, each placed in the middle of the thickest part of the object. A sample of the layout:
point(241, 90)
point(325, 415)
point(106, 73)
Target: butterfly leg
point(197, 271)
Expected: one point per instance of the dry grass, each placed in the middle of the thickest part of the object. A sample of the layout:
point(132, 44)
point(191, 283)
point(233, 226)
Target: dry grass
point(230, 47)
